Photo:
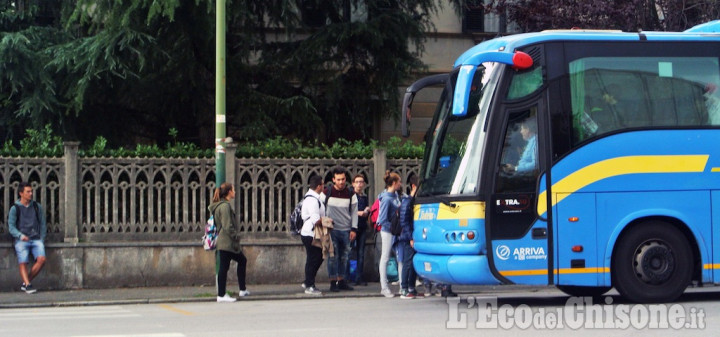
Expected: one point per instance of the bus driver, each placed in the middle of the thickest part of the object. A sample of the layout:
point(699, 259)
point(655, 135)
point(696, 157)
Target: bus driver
point(528, 160)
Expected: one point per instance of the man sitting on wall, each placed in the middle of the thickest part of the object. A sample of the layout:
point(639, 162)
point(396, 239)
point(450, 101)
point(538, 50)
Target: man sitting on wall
point(26, 222)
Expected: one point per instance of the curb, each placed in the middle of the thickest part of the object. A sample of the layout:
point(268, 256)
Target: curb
point(55, 300)
point(263, 297)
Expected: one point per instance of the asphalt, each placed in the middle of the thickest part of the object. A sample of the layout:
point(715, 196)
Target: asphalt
point(148, 295)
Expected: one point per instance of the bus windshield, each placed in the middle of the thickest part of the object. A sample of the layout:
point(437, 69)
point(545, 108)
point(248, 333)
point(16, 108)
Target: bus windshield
point(452, 161)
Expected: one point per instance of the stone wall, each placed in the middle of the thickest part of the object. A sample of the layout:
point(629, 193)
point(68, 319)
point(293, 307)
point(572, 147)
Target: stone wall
point(129, 222)
point(114, 265)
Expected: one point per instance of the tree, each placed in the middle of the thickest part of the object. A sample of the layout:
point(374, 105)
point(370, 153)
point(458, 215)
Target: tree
point(626, 15)
point(27, 90)
point(130, 70)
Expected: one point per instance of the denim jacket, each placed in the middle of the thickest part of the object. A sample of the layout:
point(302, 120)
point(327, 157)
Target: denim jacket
point(389, 202)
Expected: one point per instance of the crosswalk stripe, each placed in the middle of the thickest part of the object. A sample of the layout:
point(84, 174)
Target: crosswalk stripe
point(75, 313)
point(139, 335)
point(65, 316)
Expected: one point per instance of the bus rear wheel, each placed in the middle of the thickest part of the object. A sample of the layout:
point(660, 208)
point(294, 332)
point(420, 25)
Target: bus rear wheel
point(652, 263)
point(581, 291)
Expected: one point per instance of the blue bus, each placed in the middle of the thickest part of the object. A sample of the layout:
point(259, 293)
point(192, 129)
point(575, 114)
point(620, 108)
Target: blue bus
point(581, 159)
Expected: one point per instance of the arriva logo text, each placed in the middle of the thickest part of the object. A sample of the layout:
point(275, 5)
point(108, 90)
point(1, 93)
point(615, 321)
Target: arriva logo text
point(521, 253)
point(529, 253)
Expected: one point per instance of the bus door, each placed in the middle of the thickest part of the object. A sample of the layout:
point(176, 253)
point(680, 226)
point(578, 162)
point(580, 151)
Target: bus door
point(517, 236)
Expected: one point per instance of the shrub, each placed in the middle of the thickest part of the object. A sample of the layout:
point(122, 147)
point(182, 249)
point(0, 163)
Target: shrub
point(44, 143)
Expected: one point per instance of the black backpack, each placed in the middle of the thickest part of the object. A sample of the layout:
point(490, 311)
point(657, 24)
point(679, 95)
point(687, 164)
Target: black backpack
point(395, 226)
point(296, 220)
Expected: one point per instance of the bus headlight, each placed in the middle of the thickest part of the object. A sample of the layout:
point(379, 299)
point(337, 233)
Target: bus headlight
point(424, 233)
point(471, 235)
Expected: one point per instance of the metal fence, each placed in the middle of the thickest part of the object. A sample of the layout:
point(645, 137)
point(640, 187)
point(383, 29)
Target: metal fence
point(158, 199)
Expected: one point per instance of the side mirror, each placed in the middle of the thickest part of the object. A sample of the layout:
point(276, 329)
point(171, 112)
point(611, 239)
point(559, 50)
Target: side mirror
point(406, 114)
point(517, 60)
point(406, 108)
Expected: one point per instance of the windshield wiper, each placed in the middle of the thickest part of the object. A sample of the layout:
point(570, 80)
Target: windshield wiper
point(447, 202)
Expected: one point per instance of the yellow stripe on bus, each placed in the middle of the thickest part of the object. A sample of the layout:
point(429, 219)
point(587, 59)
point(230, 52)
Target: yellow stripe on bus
point(620, 166)
point(582, 270)
point(711, 266)
point(524, 272)
point(462, 210)
point(533, 272)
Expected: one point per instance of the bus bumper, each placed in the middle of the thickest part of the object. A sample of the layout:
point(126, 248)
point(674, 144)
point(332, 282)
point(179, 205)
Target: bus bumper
point(454, 269)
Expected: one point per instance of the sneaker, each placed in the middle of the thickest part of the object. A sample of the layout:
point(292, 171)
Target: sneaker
point(303, 285)
point(416, 295)
point(28, 289)
point(334, 286)
point(312, 291)
point(428, 290)
point(243, 293)
point(407, 295)
point(226, 298)
point(342, 285)
point(387, 293)
point(22, 287)
point(395, 283)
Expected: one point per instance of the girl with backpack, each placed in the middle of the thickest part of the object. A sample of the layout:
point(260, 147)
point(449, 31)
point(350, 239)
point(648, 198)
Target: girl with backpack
point(228, 241)
point(389, 203)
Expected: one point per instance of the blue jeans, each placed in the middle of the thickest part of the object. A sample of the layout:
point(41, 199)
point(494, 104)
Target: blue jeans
point(408, 276)
point(360, 249)
point(23, 249)
point(337, 265)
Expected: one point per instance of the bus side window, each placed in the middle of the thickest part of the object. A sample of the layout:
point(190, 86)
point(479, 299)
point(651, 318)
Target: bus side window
point(615, 93)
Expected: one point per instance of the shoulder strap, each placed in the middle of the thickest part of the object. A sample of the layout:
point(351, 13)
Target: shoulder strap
point(312, 196)
point(215, 218)
point(318, 200)
point(37, 211)
point(17, 212)
point(351, 193)
point(327, 192)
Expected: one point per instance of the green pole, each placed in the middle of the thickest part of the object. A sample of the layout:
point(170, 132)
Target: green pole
point(220, 88)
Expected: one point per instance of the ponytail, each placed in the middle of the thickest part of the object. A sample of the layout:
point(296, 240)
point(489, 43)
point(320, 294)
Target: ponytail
point(390, 178)
point(222, 192)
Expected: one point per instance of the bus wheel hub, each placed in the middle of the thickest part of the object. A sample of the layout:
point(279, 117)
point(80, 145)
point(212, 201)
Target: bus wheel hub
point(654, 263)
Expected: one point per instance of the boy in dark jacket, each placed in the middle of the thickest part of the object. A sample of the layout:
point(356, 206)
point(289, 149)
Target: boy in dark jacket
point(405, 243)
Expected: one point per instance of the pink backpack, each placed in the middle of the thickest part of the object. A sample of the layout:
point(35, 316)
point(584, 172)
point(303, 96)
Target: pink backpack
point(374, 211)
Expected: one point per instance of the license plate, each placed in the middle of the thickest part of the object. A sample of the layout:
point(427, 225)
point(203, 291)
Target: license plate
point(428, 267)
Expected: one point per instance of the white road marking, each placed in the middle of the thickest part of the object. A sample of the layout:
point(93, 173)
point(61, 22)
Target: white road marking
point(138, 335)
point(66, 313)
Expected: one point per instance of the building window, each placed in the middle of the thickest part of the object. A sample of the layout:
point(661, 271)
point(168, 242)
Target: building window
point(312, 14)
point(473, 17)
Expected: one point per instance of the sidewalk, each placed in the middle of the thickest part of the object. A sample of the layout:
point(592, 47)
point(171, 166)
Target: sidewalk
point(90, 297)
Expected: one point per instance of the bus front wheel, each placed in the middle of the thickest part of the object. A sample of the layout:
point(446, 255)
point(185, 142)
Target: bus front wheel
point(652, 263)
point(581, 291)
